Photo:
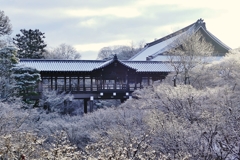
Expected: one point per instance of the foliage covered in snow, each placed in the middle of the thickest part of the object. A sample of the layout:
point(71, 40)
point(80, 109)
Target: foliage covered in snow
point(122, 52)
point(63, 51)
point(27, 79)
point(196, 121)
point(5, 25)
point(7, 61)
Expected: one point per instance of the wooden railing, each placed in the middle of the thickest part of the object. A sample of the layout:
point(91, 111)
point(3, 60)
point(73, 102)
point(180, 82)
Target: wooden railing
point(94, 87)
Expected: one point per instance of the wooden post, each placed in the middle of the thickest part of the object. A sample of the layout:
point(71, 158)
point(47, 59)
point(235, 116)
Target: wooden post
point(78, 84)
point(91, 105)
point(122, 100)
point(65, 83)
point(70, 83)
point(141, 83)
point(56, 83)
point(51, 83)
point(135, 87)
point(85, 105)
point(127, 87)
point(84, 87)
point(91, 84)
point(40, 86)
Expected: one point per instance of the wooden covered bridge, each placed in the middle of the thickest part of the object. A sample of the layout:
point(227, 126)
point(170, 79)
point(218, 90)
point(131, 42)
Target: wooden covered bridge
point(97, 79)
point(116, 79)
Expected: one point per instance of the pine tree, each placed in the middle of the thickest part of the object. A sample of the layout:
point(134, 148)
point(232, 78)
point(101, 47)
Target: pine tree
point(30, 44)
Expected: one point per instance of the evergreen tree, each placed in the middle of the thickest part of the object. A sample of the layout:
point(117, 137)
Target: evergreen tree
point(7, 61)
point(30, 44)
point(26, 80)
point(5, 26)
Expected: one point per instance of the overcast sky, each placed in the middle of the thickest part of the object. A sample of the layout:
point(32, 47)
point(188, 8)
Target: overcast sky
point(89, 25)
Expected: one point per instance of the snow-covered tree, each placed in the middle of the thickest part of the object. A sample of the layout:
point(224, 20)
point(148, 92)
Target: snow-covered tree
point(27, 145)
point(27, 79)
point(196, 121)
point(53, 101)
point(187, 52)
point(8, 60)
point(30, 44)
point(5, 25)
point(123, 52)
point(63, 51)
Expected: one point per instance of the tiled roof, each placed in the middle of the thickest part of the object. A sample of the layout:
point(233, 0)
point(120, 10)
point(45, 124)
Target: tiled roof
point(112, 61)
point(61, 65)
point(89, 65)
point(165, 58)
point(158, 47)
point(150, 66)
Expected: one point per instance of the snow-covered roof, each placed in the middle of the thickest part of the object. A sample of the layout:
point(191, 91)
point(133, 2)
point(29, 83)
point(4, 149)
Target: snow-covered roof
point(152, 50)
point(150, 66)
point(113, 60)
point(61, 65)
point(165, 58)
point(90, 65)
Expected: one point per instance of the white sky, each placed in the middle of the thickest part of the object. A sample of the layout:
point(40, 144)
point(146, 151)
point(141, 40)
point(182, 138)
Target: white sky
point(94, 24)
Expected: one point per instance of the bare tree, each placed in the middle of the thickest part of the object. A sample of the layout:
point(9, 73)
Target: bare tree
point(188, 51)
point(105, 53)
point(63, 51)
point(123, 52)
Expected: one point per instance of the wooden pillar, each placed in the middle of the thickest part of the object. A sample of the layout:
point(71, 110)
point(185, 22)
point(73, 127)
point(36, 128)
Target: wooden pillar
point(85, 105)
point(78, 84)
point(70, 83)
point(84, 86)
point(141, 83)
point(91, 84)
point(40, 89)
point(65, 83)
point(91, 105)
point(127, 87)
point(101, 82)
point(51, 83)
point(56, 83)
point(135, 87)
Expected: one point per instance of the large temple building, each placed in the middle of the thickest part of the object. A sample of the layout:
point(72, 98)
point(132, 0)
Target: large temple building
point(158, 49)
point(116, 79)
